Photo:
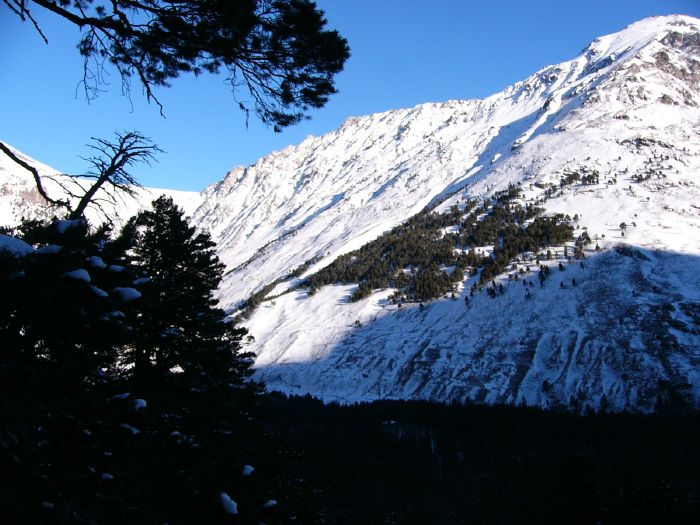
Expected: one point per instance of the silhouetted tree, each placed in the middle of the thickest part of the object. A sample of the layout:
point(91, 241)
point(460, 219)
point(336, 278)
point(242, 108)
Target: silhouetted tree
point(109, 167)
point(279, 51)
point(62, 316)
point(107, 180)
point(179, 325)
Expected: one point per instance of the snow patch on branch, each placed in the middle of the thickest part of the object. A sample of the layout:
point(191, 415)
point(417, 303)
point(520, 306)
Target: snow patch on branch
point(79, 275)
point(230, 506)
point(15, 246)
point(127, 294)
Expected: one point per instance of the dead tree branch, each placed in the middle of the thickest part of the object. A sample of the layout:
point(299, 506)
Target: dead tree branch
point(37, 178)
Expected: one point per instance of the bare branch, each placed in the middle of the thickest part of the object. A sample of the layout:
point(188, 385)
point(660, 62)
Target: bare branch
point(110, 164)
point(16, 11)
point(37, 178)
point(23, 12)
point(62, 181)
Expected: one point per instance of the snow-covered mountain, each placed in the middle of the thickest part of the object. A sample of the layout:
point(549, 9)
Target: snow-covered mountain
point(331, 194)
point(20, 197)
point(625, 109)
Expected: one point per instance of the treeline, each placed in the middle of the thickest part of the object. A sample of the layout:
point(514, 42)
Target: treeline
point(422, 462)
point(426, 256)
point(298, 460)
point(514, 240)
point(587, 178)
point(248, 306)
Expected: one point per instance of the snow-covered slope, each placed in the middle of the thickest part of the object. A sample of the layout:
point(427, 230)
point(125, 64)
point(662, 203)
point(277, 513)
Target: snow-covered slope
point(330, 194)
point(626, 108)
point(20, 197)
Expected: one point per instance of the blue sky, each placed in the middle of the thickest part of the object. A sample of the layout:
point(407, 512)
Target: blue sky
point(404, 52)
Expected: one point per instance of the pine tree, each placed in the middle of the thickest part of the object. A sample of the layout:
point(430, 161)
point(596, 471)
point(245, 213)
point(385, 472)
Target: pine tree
point(63, 306)
point(180, 329)
point(279, 52)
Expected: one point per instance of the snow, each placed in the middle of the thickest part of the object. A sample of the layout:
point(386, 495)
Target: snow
point(269, 504)
point(451, 351)
point(230, 506)
point(16, 247)
point(139, 404)
point(78, 275)
point(97, 262)
point(116, 268)
point(118, 397)
point(50, 249)
point(106, 476)
point(127, 294)
point(332, 194)
point(132, 430)
point(247, 470)
point(584, 341)
point(62, 226)
point(99, 291)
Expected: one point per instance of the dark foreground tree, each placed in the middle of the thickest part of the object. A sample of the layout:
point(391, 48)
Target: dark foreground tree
point(279, 51)
point(78, 436)
point(180, 330)
point(62, 308)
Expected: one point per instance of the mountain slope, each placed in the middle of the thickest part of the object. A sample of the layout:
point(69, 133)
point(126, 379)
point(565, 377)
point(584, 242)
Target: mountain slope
point(331, 194)
point(626, 335)
point(20, 197)
point(610, 138)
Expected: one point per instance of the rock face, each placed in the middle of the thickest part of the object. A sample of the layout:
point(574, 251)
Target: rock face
point(626, 336)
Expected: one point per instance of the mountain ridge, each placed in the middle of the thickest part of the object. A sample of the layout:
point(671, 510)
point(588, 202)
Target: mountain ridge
point(623, 337)
point(398, 154)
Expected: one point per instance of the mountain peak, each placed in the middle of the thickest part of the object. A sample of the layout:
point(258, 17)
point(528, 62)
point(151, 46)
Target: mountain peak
point(621, 115)
point(638, 35)
point(386, 166)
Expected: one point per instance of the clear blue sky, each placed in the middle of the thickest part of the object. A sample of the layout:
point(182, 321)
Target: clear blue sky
point(404, 52)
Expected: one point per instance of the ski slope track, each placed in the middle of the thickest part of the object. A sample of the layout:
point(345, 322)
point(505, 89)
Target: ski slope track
point(626, 336)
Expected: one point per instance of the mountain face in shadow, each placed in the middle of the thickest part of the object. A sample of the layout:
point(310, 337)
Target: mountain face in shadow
point(618, 329)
